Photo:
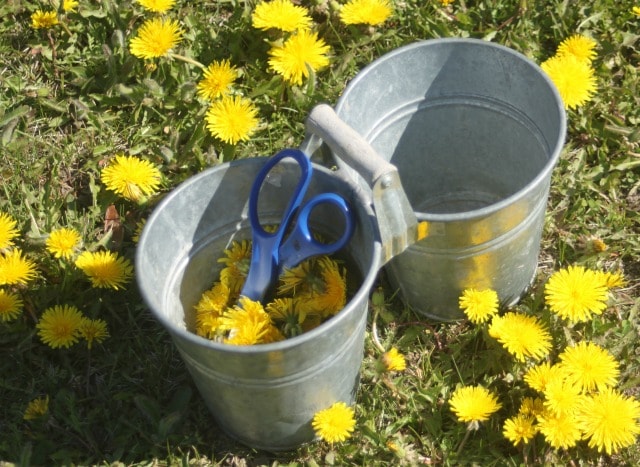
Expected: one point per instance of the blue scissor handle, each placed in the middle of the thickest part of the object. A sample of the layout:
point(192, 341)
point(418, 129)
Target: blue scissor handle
point(270, 255)
point(300, 243)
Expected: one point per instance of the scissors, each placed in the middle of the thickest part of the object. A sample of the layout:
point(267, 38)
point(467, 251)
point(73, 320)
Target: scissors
point(292, 242)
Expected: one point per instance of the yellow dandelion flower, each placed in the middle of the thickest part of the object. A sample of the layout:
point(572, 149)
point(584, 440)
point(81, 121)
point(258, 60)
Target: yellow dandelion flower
point(44, 19)
point(60, 325)
point(297, 280)
point(446, 2)
point(15, 268)
point(372, 12)
point(10, 305)
point(334, 424)
point(579, 46)
point(522, 335)
point(138, 230)
point(232, 119)
point(218, 78)
point(576, 293)
point(589, 366)
point(238, 254)
point(37, 408)
point(156, 37)
point(105, 269)
point(298, 52)
point(519, 429)
point(532, 406)
point(610, 420)
point(394, 360)
point(561, 396)
point(574, 79)
point(559, 430)
point(473, 403)
point(328, 296)
point(636, 10)
point(62, 242)
point(157, 6)
point(280, 14)
point(479, 305)
point(288, 314)
point(209, 310)
point(69, 5)
point(611, 280)
point(93, 330)
point(131, 177)
point(539, 376)
point(247, 324)
point(8, 231)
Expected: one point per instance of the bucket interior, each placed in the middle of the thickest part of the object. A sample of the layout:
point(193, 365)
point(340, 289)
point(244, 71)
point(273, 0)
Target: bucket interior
point(468, 123)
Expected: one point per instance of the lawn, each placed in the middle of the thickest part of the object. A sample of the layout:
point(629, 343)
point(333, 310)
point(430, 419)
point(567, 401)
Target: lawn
point(77, 95)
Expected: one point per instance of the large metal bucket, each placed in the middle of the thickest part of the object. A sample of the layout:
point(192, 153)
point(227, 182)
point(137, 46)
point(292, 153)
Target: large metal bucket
point(475, 130)
point(265, 395)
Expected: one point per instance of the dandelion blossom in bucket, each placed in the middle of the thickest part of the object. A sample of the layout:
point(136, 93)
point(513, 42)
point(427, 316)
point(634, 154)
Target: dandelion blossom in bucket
point(576, 293)
point(479, 305)
point(156, 37)
point(609, 420)
point(573, 78)
point(232, 119)
point(299, 51)
point(559, 430)
point(8, 230)
point(473, 403)
point(581, 47)
point(280, 14)
point(394, 360)
point(334, 424)
point(372, 12)
point(131, 177)
point(93, 330)
point(157, 6)
point(16, 269)
point(59, 326)
point(44, 19)
point(519, 429)
point(589, 366)
point(522, 335)
point(105, 269)
point(247, 323)
point(10, 305)
point(218, 77)
point(62, 242)
point(37, 408)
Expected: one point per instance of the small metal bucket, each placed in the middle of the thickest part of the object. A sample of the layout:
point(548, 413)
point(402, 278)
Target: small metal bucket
point(475, 130)
point(266, 395)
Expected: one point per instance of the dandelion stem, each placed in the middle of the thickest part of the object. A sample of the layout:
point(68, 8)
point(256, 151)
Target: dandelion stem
point(187, 60)
point(374, 330)
point(464, 441)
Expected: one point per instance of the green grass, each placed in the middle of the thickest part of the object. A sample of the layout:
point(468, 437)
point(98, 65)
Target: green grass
point(71, 101)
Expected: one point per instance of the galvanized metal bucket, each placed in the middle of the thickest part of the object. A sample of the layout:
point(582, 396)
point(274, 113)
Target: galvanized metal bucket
point(265, 395)
point(475, 130)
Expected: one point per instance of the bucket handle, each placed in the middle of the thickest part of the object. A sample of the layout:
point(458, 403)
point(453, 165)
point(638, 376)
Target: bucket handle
point(396, 220)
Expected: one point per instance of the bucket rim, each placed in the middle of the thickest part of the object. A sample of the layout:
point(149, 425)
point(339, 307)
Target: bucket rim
point(290, 343)
point(535, 182)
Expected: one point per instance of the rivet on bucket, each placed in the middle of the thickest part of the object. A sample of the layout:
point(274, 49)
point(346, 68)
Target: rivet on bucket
point(475, 130)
